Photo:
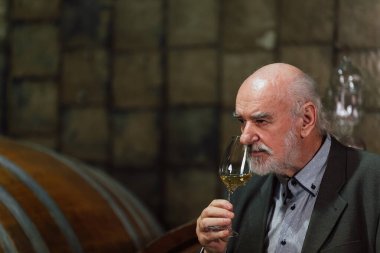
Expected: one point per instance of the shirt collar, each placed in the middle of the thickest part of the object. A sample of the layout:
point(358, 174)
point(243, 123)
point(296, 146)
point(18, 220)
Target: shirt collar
point(310, 176)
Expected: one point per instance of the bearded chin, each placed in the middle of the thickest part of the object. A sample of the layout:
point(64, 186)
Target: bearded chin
point(261, 166)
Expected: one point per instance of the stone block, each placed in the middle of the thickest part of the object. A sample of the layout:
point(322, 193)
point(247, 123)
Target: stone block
point(34, 50)
point(193, 22)
point(368, 130)
point(358, 26)
point(137, 24)
point(367, 61)
point(33, 107)
point(85, 134)
point(137, 80)
point(237, 66)
point(307, 21)
point(192, 136)
point(85, 23)
point(84, 77)
point(189, 191)
point(136, 139)
point(249, 24)
point(36, 9)
point(313, 60)
point(192, 76)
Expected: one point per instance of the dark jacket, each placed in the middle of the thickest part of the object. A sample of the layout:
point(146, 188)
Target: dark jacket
point(345, 216)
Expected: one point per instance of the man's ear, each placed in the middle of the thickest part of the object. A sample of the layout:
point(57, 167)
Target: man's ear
point(309, 118)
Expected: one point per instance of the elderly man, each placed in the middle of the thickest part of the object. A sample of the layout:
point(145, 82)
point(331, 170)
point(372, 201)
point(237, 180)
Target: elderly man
point(310, 193)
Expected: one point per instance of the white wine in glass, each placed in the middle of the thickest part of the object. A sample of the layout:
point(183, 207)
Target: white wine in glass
point(234, 170)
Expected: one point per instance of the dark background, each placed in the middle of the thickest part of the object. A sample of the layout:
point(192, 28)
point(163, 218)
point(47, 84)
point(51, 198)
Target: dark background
point(144, 89)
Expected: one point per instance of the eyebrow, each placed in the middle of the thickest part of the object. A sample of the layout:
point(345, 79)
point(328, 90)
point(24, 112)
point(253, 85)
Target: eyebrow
point(262, 115)
point(255, 116)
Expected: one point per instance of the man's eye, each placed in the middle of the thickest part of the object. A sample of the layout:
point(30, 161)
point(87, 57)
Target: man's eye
point(242, 122)
point(260, 121)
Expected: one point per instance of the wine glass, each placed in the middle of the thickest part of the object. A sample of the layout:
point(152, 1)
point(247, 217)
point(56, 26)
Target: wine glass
point(234, 171)
point(234, 168)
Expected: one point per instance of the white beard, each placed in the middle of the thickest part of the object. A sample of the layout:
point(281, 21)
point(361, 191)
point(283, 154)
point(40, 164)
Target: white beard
point(271, 164)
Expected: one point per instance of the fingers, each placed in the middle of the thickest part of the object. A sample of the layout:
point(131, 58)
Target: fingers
point(213, 241)
point(217, 214)
point(210, 239)
point(221, 203)
point(213, 225)
point(218, 208)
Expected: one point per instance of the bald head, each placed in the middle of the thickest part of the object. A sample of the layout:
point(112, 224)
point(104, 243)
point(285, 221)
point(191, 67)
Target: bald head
point(286, 83)
point(278, 70)
point(276, 75)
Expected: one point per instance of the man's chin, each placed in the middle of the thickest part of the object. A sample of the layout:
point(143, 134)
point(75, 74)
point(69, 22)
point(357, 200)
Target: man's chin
point(261, 171)
point(263, 168)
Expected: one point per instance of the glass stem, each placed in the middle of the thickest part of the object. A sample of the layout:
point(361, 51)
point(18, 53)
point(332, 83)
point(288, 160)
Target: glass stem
point(229, 196)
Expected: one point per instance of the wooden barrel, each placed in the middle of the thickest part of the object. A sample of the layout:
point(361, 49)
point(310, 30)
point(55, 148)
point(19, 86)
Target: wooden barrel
point(50, 203)
point(179, 240)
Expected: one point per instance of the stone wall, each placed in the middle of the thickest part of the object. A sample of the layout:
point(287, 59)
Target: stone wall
point(145, 89)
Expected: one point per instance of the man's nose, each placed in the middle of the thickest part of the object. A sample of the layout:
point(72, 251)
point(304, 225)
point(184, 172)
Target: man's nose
point(249, 134)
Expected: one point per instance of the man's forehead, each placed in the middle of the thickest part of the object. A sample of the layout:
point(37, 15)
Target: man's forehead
point(261, 100)
point(258, 84)
point(260, 106)
point(257, 90)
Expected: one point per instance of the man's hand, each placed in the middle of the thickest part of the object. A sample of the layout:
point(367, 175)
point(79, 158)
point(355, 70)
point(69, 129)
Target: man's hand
point(213, 226)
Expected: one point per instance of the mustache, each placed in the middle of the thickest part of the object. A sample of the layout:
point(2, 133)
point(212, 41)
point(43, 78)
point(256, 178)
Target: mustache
point(259, 147)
